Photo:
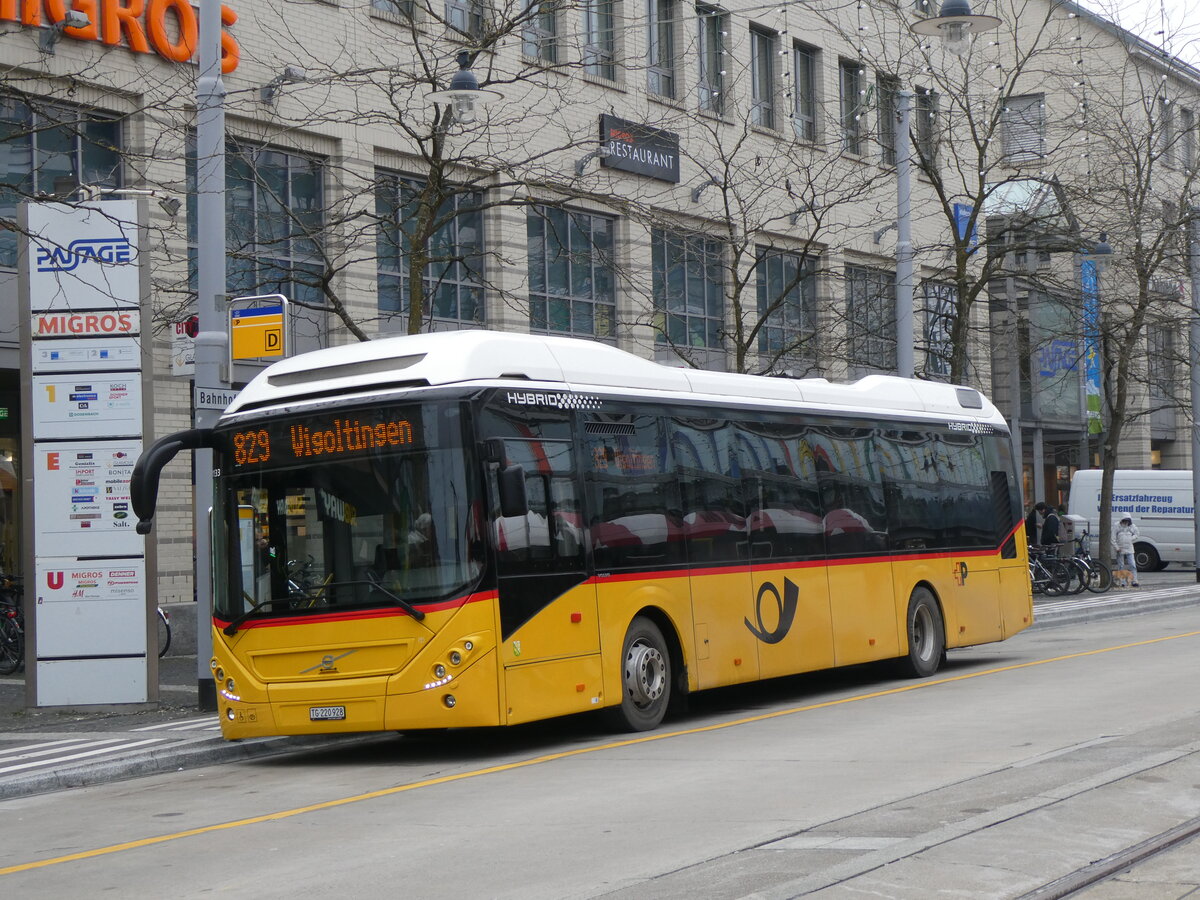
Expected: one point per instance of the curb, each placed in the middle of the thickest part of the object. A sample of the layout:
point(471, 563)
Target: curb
point(1096, 610)
point(171, 759)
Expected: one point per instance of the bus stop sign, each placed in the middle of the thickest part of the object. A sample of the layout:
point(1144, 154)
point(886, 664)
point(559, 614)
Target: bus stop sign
point(255, 332)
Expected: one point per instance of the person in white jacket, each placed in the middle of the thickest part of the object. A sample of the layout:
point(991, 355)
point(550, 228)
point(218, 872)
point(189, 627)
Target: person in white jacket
point(1123, 536)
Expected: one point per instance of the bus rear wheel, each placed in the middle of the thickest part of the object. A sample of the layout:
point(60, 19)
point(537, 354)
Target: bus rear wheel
point(645, 678)
point(926, 635)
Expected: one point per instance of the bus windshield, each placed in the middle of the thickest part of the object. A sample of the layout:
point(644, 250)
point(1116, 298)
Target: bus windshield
point(346, 508)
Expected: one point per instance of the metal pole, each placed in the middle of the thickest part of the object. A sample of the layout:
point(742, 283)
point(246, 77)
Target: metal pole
point(1194, 260)
point(904, 250)
point(210, 310)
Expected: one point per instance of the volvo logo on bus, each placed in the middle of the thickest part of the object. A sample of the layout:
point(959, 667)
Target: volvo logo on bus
point(112, 251)
point(785, 611)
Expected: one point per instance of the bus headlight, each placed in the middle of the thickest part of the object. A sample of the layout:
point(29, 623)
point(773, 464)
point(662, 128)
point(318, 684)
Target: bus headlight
point(455, 658)
point(439, 671)
point(449, 701)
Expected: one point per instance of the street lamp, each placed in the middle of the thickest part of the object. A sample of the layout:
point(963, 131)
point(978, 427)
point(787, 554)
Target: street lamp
point(955, 23)
point(463, 94)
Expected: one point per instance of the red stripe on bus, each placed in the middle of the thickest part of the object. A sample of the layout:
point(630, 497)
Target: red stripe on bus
point(352, 615)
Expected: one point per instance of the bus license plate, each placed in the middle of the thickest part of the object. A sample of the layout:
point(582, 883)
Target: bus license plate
point(323, 713)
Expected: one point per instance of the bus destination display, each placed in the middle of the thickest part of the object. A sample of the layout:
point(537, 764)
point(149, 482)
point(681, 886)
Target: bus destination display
point(283, 443)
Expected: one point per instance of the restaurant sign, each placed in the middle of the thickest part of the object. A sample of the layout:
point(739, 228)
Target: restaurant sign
point(640, 149)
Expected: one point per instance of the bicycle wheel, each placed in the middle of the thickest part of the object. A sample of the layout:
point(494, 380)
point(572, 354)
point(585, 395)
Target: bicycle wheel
point(1058, 579)
point(1080, 574)
point(12, 645)
point(164, 633)
point(1100, 576)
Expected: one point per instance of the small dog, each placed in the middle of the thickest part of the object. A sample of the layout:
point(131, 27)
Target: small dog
point(1122, 578)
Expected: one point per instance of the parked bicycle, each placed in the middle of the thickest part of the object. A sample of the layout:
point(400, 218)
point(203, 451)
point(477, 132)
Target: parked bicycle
point(164, 632)
point(1097, 577)
point(12, 625)
point(1047, 572)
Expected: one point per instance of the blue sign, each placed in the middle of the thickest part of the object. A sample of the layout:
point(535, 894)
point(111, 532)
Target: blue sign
point(962, 215)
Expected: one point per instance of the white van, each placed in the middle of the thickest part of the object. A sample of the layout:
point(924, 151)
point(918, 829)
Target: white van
point(1160, 502)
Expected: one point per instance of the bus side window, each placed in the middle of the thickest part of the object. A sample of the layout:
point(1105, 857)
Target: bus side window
point(780, 485)
point(713, 505)
point(633, 494)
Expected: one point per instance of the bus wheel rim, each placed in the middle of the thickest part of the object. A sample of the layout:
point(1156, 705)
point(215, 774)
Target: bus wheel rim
point(922, 632)
point(645, 673)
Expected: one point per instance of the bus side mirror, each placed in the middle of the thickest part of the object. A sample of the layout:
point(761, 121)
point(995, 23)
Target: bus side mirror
point(143, 484)
point(513, 501)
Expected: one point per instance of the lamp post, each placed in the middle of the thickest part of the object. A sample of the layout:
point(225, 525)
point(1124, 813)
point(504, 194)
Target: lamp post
point(954, 24)
point(1194, 260)
point(210, 308)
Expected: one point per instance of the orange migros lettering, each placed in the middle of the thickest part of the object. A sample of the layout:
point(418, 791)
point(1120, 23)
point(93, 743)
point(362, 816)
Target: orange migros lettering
point(144, 26)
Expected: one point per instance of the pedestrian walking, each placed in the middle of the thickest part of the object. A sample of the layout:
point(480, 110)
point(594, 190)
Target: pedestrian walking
point(1123, 536)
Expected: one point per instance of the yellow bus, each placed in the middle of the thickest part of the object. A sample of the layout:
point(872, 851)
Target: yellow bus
point(476, 528)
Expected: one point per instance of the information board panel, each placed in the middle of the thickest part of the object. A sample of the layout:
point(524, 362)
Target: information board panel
point(81, 490)
point(86, 405)
point(83, 256)
point(91, 608)
point(87, 354)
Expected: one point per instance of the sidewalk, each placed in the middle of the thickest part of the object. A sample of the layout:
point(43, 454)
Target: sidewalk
point(50, 749)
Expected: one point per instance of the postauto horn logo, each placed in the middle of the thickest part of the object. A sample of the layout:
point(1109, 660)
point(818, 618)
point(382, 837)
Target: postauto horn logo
point(109, 251)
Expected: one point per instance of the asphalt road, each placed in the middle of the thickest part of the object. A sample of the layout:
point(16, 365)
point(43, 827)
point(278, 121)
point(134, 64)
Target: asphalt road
point(1017, 764)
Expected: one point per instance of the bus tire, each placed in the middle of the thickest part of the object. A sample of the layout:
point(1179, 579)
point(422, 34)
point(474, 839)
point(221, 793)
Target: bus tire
point(926, 635)
point(1146, 558)
point(645, 678)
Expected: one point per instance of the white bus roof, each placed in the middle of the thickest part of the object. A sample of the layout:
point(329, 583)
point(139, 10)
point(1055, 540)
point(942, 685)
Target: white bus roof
point(543, 362)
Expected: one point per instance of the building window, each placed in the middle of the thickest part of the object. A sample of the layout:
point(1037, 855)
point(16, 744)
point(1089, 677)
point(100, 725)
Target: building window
point(1160, 363)
point(871, 319)
point(401, 8)
point(51, 150)
point(762, 77)
point(804, 106)
point(465, 16)
point(689, 290)
point(1166, 130)
point(539, 37)
point(660, 42)
point(714, 26)
point(453, 278)
point(1023, 129)
point(1187, 139)
point(926, 125)
point(274, 209)
point(852, 91)
point(787, 308)
point(940, 302)
point(571, 273)
point(886, 89)
point(599, 39)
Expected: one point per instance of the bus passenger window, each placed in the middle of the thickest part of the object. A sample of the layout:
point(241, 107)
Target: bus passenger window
point(636, 521)
point(780, 483)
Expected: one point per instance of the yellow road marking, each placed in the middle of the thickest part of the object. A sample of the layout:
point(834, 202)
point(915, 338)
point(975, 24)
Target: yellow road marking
point(565, 754)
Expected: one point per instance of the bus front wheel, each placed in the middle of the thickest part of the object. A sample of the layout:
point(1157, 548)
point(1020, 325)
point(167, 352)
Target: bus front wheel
point(926, 635)
point(645, 678)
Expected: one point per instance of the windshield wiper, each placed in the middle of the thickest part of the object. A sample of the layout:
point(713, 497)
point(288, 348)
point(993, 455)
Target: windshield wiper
point(232, 627)
point(373, 580)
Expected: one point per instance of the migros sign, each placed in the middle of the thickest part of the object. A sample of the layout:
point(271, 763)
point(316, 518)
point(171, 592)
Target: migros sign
point(169, 28)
